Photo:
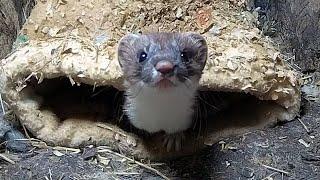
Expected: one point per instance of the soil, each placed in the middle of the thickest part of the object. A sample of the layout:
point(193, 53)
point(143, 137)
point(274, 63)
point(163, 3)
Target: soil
point(285, 151)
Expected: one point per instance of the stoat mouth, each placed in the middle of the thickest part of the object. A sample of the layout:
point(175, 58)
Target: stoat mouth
point(164, 83)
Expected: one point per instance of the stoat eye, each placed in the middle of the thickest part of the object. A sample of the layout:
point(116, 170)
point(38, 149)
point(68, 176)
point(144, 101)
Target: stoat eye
point(143, 56)
point(185, 56)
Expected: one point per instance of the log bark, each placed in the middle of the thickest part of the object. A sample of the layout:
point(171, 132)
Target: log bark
point(13, 14)
point(296, 23)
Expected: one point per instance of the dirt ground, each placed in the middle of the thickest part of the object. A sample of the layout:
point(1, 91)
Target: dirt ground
point(286, 151)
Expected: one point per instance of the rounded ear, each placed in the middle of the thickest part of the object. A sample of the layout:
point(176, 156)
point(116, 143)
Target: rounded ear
point(125, 45)
point(128, 39)
point(198, 42)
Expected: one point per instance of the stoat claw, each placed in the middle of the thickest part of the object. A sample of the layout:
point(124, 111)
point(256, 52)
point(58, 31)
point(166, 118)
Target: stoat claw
point(173, 141)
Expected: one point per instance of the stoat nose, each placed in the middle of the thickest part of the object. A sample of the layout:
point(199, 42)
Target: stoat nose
point(164, 67)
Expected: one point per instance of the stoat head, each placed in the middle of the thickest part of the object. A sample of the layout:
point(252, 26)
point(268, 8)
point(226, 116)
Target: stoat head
point(162, 60)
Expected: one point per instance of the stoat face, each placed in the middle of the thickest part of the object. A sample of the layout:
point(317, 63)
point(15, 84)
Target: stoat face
point(162, 60)
point(162, 72)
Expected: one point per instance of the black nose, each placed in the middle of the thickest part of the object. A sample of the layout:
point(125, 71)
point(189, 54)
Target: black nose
point(164, 67)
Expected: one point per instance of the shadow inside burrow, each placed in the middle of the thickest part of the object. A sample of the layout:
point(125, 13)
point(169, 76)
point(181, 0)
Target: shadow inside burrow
point(217, 114)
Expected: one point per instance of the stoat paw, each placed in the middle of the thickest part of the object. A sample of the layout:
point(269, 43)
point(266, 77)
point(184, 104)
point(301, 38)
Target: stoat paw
point(173, 141)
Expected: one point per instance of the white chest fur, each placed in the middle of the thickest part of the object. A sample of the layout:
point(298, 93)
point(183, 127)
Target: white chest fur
point(154, 110)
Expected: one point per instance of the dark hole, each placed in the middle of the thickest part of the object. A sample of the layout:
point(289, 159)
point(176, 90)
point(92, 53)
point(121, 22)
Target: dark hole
point(215, 111)
point(77, 101)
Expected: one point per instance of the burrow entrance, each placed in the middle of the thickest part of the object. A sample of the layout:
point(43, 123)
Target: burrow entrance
point(217, 112)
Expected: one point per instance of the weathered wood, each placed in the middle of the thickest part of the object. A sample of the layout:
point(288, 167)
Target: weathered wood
point(296, 23)
point(13, 14)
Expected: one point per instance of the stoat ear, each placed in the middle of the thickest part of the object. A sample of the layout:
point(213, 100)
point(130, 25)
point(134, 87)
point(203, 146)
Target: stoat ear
point(128, 39)
point(125, 46)
point(198, 43)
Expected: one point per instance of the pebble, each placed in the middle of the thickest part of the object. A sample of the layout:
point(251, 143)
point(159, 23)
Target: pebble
point(16, 146)
point(247, 172)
